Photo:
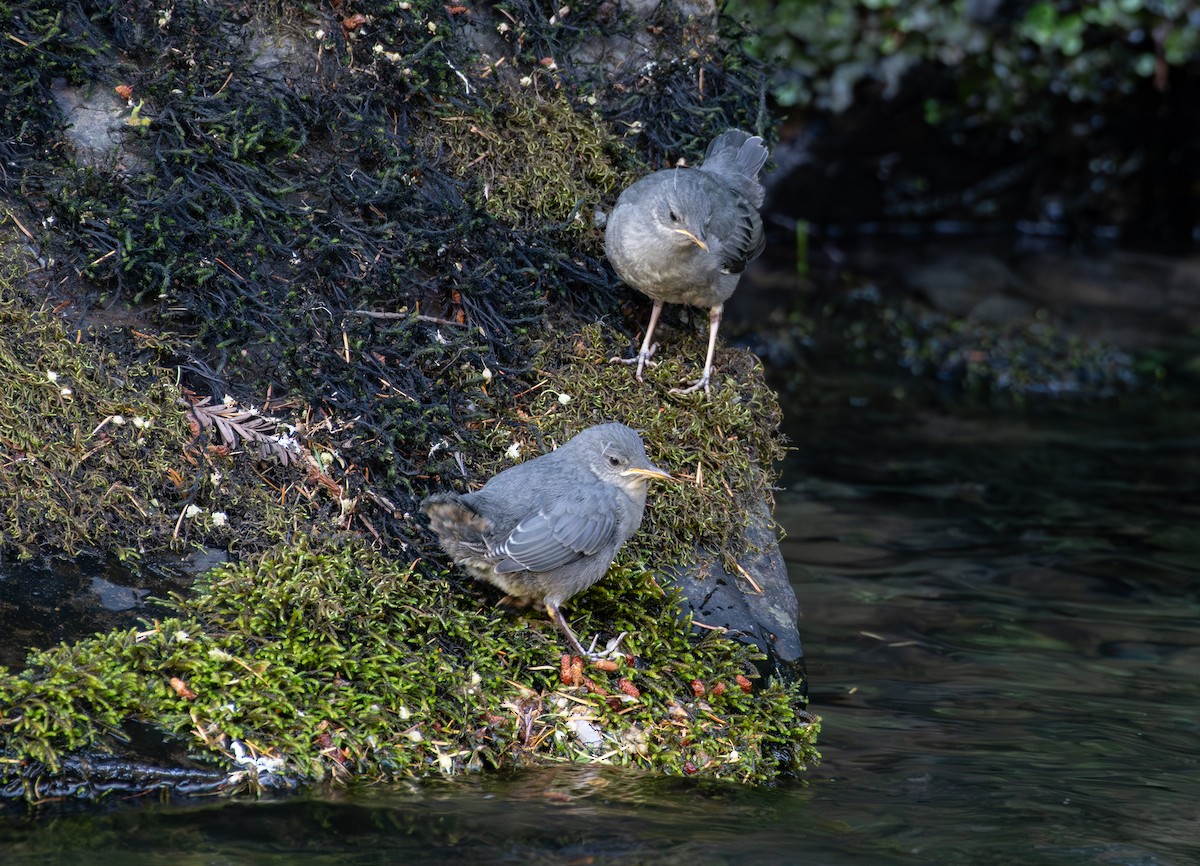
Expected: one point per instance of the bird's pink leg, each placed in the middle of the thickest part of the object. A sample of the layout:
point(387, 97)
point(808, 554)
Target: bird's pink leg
point(643, 356)
point(714, 322)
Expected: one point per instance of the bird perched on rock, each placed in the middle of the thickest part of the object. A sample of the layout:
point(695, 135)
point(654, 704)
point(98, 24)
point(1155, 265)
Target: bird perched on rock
point(684, 235)
point(549, 528)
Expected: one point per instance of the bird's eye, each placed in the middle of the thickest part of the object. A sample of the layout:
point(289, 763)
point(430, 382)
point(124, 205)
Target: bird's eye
point(614, 460)
point(674, 218)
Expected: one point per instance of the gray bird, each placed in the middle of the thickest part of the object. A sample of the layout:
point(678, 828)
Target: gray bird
point(684, 235)
point(549, 528)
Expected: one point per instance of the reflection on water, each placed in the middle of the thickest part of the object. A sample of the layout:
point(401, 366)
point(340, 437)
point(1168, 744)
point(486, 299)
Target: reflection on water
point(1001, 622)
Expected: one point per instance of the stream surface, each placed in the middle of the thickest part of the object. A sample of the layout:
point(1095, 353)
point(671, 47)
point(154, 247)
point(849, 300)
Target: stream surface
point(1001, 613)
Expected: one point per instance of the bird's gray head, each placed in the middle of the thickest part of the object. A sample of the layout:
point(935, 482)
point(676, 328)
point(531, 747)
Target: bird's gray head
point(681, 211)
point(615, 455)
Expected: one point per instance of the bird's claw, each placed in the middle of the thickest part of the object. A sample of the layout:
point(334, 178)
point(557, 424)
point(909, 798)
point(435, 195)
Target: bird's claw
point(642, 359)
point(611, 649)
point(702, 382)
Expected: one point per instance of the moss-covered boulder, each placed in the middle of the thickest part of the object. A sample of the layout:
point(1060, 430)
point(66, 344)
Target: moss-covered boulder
point(345, 256)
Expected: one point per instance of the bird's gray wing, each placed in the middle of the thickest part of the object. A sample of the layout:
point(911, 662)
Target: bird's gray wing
point(740, 228)
point(568, 529)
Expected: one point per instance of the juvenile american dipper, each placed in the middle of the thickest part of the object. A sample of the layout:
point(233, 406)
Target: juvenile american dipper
point(684, 235)
point(549, 528)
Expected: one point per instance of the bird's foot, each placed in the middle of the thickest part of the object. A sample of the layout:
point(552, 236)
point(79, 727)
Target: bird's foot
point(702, 382)
point(611, 649)
point(642, 359)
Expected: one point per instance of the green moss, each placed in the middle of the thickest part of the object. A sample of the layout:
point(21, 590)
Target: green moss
point(533, 158)
point(96, 450)
point(335, 662)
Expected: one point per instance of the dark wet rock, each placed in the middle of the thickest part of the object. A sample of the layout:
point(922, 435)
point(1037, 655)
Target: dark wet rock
point(1130, 299)
point(1135, 282)
point(93, 776)
point(1001, 310)
point(762, 613)
point(95, 118)
point(958, 282)
point(55, 599)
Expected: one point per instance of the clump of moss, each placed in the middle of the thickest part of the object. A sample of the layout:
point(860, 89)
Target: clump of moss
point(85, 443)
point(97, 448)
point(43, 41)
point(334, 662)
point(533, 158)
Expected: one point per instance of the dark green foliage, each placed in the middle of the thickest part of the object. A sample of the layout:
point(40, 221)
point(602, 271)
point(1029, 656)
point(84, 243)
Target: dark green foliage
point(1072, 118)
point(1009, 57)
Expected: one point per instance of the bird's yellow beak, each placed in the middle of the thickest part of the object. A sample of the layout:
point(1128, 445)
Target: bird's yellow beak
point(691, 237)
point(652, 472)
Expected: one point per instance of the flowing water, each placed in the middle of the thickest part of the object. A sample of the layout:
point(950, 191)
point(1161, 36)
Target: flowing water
point(1002, 620)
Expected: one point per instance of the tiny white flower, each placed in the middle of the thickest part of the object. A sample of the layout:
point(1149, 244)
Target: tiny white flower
point(514, 451)
point(140, 422)
point(564, 399)
point(526, 80)
point(320, 34)
point(219, 518)
point(487, 374)
point(117, 420)
point(432, 27)
point(51, 376)
point(66, 392)
point(228, 400)
point(192, 510)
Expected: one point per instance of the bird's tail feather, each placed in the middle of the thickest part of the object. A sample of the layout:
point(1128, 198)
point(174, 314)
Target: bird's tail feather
point(738, 157)
point(460, 529)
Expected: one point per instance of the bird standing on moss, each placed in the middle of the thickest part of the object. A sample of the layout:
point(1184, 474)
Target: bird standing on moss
point(684, 236)
point(549, 528)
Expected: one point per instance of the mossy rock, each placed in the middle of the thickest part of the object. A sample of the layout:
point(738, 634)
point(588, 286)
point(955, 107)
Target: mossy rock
point(336, 662)
point(273, 228)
